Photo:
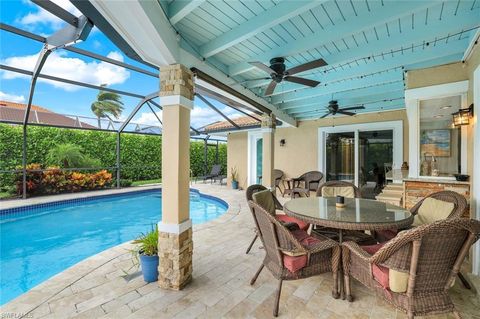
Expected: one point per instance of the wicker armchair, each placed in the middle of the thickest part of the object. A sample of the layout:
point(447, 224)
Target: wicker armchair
point(311, 181)
point(430, 255)
point(321, 256)
point(257, 188)
point(348, 235)
point(459, 202)
point(277, 176)
point(356, 191)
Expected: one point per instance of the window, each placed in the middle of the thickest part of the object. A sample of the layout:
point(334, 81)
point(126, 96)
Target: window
point(440, 142)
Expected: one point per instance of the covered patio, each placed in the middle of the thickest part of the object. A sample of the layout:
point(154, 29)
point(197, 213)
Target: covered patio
point(377, 98)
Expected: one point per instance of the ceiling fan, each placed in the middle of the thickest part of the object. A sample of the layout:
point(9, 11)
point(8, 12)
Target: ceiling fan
point(334, 109)
point(279, 73)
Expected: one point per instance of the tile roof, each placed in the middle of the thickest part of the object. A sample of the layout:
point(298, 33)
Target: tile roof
point(243, 121)
point(14, 113)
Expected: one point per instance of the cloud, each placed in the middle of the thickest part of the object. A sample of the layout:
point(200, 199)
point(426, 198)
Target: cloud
point(12, 97)
point(41, 17)
point(62, 66)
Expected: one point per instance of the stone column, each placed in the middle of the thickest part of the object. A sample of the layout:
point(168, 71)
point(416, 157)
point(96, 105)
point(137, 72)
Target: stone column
point(268, 136)
point(175, 245)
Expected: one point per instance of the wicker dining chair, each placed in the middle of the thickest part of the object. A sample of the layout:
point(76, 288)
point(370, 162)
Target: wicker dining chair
point(459, 206)
point(252, 189)
point(428, 257)
point(277, 176)
point(311, 255)
point(311, 180)
point(348, 235)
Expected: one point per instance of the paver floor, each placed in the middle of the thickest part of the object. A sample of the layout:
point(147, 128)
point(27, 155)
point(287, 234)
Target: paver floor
point(107, 286)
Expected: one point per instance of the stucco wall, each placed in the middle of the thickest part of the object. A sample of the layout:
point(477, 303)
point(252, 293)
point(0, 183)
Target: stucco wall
point(237, 150)
point(300, 153)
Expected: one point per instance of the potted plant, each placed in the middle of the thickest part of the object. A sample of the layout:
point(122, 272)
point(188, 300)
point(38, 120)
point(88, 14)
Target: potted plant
point(234, 176)
point(147, 249)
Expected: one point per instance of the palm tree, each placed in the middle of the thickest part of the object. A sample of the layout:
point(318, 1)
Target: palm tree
point(107, 103)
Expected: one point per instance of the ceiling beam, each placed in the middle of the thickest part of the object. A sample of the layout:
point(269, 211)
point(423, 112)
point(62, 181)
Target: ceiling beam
point(428, 33)
point(181, 8)
point(264, 21)
point(390, 11)
point(389, 62)
point(314, 102)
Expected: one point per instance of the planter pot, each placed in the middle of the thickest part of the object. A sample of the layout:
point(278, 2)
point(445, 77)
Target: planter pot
point(235, 184)
point(149, 266)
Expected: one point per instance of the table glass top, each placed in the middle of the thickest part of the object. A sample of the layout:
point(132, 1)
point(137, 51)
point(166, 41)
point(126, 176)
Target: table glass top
point(356, 210)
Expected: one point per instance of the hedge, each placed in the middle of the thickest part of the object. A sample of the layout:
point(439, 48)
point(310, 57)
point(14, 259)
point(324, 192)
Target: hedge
point(140, 154)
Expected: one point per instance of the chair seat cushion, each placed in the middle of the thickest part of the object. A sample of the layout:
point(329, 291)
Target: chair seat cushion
point(287, 219)
point(386, 235)
point(295, 263)
point(389, 279)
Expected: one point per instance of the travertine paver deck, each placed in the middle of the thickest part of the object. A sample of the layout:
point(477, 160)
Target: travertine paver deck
point(106, 286)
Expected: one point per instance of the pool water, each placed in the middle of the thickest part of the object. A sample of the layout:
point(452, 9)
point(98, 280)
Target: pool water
point(38, 243)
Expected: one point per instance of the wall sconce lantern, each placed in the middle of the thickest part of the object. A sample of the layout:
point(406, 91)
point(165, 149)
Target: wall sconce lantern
point(462, 117)
point(282, 142)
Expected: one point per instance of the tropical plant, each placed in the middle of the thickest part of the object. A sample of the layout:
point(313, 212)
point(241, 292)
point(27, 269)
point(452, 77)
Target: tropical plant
point(69, 155)
point(234, 174)
point(107, 103)
point(147, 243)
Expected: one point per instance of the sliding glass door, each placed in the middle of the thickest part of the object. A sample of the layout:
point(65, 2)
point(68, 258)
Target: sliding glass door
point(363, 154)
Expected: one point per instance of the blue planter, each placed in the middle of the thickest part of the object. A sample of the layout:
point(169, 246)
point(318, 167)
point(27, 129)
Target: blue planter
point(235, 184)
point(149, 266)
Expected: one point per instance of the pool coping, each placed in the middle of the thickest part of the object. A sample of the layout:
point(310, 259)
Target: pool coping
point(50, 288)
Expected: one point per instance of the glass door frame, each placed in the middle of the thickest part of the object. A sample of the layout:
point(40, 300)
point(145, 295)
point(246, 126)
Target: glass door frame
point(253, 137)
point(396, 126)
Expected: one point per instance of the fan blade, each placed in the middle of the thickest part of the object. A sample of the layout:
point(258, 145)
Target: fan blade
point(325, 115)
point(307, 66)
point(302, 81)
point(346, 113)
point(254, 80)
point(270, 88)
point(360, 107)
point(262, 67)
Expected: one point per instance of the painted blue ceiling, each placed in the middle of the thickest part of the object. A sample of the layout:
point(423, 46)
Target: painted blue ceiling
point(368, 44)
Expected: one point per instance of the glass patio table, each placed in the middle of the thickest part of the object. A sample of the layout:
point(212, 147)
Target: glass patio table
point(358, 214)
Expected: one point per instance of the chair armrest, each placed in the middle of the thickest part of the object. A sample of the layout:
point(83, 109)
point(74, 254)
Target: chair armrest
point(355, 249)
point(324, 244)
point(292, 253)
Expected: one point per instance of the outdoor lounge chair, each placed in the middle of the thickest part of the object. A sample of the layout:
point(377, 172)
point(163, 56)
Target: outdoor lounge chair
point(297, 224)
point(311, 181)
point(293, 255)
point(414, 270)
point(349, 190)
point(215, 172)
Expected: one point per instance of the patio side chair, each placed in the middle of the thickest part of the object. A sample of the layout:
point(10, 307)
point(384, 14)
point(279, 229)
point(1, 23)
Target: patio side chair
point(311, 180)
point(455, 206)
point(413, 271)
point(348, 190)
point(291, 255)
point(271, 204)
point(278, 176)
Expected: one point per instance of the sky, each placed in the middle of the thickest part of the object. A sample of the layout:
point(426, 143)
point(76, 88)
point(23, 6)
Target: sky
point(62, 98)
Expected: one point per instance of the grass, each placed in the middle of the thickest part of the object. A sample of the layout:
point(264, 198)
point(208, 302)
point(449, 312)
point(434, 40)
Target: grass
point(148, 181)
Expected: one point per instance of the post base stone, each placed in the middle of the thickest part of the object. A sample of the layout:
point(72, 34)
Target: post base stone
point(175, 253)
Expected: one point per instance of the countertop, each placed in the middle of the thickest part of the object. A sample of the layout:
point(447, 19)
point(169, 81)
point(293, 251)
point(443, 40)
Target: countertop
point(436, 180)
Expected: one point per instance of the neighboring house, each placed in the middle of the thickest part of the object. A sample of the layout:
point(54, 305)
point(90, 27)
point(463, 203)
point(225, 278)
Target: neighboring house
point(244, 122)
point(12, 112)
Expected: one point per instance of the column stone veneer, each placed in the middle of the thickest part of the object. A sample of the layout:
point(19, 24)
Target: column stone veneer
point(268, 136)
point(175, 245)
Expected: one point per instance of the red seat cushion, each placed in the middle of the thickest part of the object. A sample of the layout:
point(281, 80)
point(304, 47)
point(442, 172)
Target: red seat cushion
point(386, 235)
point(380, 273)
point(295, 263)
point(287, 219)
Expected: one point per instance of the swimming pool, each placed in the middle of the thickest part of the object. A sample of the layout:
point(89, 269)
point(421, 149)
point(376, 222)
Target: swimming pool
point(38, 242)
